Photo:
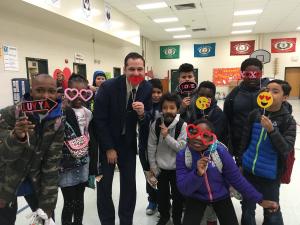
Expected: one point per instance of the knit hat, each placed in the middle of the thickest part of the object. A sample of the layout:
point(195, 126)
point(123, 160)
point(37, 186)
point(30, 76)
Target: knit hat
point(98, 73)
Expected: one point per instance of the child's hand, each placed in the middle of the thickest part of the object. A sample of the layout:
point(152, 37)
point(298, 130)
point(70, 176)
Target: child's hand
point(22, 127)
point(266, 123)
point(186, 102)
point(99, 178)
point(164, 130)
point(270, 205)
point(112, 156)
point(202, 165)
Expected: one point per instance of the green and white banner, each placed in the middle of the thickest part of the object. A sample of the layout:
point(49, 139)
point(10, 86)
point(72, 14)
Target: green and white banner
point(170, 52)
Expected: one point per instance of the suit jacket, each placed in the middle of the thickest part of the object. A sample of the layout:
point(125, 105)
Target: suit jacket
point(110, 113)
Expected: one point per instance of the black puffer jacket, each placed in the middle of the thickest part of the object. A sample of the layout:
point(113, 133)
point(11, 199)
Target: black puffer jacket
point(237, 106)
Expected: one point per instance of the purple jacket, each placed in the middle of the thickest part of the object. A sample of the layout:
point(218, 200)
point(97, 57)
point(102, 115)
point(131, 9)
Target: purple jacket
point(213, 186)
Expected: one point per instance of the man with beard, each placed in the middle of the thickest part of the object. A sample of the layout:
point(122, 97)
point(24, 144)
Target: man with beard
point(242, 100)
point(167, 137)
point(120, 106)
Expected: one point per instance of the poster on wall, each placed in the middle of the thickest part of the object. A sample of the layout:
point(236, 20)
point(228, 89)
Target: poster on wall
point(170, 52)
point(10, 57)
point(242, 47)
point(226, 76)
point(283, 45)
point(204, 50)
point(86, 7)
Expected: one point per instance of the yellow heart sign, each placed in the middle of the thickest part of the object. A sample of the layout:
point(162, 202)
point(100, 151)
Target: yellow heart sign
point(203, 103)
point(265, 100)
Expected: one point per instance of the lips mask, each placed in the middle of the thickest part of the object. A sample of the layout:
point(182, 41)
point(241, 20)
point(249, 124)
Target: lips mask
point(135, 80)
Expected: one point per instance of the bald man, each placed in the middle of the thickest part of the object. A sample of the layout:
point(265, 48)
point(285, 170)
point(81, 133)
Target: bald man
point(30, 151)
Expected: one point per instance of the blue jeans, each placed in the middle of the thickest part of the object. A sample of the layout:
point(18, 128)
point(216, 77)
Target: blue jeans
point(270, 191)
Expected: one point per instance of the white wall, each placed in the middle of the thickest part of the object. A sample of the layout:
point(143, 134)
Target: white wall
point(223, 58)
point(55, 44)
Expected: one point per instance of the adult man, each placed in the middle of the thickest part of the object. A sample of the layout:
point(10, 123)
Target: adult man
point(30, 151)
point(119, 106)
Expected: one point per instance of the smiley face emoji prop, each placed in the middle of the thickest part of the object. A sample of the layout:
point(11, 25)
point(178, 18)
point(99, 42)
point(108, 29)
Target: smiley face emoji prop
point(264, 100)
point(203, 103)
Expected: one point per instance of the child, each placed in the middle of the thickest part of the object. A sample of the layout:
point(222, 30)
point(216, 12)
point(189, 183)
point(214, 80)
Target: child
point(213, 114)
point(74, 167)
point(267, 139)
point(167, 136)
point(204, 170)
point(157, 91)
point(242, 100)
point(29, 164)
point(186, 73)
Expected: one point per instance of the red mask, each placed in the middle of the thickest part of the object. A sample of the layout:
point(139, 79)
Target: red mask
point(194, 131)
point(135, 80)
point(251, 75)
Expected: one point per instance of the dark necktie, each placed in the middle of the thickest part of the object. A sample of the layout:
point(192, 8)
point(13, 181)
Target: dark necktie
point(131, 99)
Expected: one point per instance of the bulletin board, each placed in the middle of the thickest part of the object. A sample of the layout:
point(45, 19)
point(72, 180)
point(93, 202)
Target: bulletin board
point(226, 76)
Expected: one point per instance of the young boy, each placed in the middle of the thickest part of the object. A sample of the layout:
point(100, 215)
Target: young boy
point(157, 91)
point(266, 141)
point(242, 100)
point(186, 73)
point(213, 114)
point(167, 136)
point(30, 150)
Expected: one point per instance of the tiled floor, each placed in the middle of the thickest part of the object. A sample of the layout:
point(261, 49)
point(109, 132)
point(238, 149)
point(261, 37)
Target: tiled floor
point(289, 201)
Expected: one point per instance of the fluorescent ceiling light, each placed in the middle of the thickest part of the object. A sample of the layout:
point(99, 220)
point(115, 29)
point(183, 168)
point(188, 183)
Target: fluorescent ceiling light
point(248, 12)
point(165, 20)
point(175, 29)
point(182, 36)
point(156, 5)
point(298, 28)
point(247, 23)
point(241, 31)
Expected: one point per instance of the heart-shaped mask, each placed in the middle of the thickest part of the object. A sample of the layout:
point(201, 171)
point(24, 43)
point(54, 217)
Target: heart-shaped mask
point(207, 137)
point(73, 93)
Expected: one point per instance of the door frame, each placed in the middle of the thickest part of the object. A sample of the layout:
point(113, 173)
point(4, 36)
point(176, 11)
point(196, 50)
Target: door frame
point(34, 59)
point(291, 67)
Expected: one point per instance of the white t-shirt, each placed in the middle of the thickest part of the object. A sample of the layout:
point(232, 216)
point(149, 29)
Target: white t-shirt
point(84, 116)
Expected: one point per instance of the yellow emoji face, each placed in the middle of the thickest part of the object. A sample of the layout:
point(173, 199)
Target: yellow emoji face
point(264, 100)
point(203, 103)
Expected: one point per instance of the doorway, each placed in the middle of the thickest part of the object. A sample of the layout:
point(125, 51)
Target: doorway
point(79, 68)
point(35, 66)
point(117, 71)
point(292, 76)
point(175, 77)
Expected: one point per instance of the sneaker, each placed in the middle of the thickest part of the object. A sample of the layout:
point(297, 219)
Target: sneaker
point(151, 208)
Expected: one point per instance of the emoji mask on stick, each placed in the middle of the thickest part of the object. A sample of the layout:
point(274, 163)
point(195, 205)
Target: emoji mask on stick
point(265, 99)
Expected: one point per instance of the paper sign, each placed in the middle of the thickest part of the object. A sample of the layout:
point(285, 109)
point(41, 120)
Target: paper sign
point(45, 105)
point(265, 100)
point(203, 103)
point(10, 57)
point(187, 87)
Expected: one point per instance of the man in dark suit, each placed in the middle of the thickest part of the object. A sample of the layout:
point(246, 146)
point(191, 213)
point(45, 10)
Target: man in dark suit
point(120, 105)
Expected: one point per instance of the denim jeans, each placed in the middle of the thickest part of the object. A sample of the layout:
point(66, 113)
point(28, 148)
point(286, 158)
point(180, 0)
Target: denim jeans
point(270, 191)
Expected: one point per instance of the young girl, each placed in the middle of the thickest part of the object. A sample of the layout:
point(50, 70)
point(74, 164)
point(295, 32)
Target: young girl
point(199, 178)
point(74, 167)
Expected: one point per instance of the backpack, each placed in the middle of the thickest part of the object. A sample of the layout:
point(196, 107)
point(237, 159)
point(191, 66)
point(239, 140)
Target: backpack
point(288, 164)
point(177, 128)
point(217, 161)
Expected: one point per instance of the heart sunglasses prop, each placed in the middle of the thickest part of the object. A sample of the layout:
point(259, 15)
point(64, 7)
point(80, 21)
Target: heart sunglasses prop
point(73, 93)
point(194, 131)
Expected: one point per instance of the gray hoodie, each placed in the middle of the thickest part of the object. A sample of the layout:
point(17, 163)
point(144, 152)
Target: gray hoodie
point(163, 155)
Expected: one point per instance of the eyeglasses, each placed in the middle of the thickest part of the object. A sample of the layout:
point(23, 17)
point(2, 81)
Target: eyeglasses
point(73, 93)
point(207, 137)
point(251, 74)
